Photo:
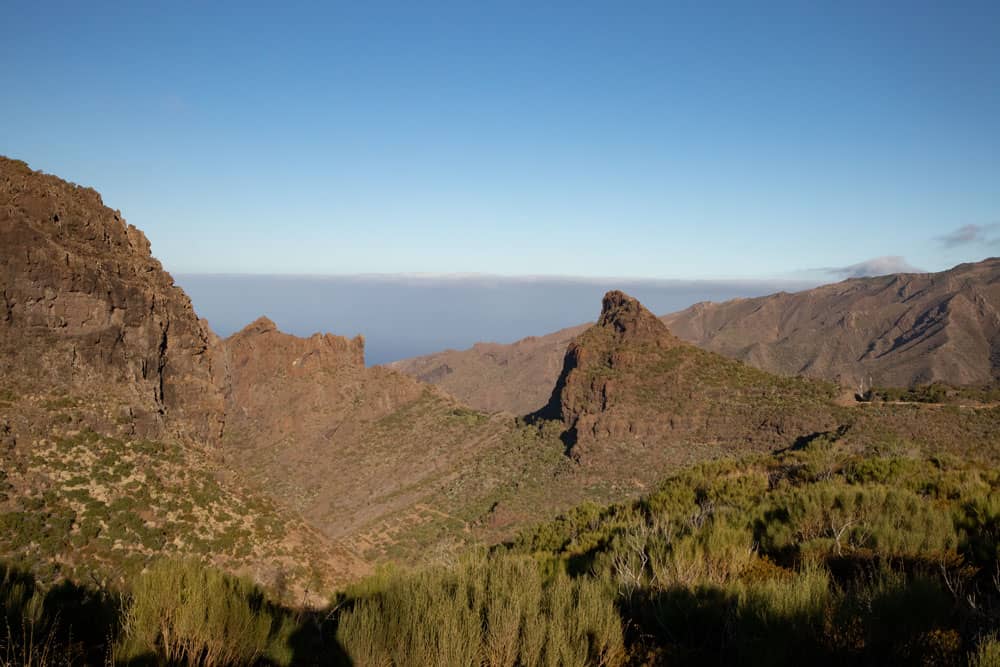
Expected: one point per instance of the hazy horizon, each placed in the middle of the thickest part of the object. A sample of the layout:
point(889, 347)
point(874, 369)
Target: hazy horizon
point(406, 316)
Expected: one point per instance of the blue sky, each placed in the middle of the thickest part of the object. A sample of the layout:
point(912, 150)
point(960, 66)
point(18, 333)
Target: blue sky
point(656, 140)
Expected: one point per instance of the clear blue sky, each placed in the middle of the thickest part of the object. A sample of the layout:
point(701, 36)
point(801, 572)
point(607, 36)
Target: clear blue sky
point(625, 139)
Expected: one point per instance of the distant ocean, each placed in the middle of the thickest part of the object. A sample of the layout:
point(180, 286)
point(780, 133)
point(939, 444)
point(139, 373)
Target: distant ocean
point(403, 316)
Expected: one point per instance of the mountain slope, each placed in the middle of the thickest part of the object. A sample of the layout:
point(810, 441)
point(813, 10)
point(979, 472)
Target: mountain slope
point(633, 395)
point(343, 444)
point(86, 306)
point(516, 378)
point(111, 403)
point(899, 330)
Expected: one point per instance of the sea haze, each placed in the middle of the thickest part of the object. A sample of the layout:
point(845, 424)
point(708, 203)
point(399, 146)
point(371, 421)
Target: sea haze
point(406, 316)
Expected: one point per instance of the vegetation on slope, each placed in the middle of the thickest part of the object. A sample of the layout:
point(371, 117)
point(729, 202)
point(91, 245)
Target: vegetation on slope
point(936, 392)
point(816, 554)
point(821, 553)
point(100, 506)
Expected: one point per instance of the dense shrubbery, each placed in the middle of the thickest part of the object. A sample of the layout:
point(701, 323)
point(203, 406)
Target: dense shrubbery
point(61, 625)
point(498, 610)
point(815, 555)
point(190, 614)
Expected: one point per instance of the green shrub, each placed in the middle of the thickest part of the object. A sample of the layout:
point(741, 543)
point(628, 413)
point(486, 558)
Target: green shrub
point(780, 621)
point(987, 653)
point(496, 610)
point(191, 614)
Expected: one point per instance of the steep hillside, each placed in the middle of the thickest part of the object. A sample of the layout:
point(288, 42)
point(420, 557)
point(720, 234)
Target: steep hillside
point(87, 307)
point(347, 446)
point(900, 330)
point(633, 395)
point(110, 401)
point(516, 378)
point(897, 330)
point(129, 431)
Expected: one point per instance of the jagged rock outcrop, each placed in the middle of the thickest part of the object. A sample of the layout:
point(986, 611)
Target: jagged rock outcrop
point(86, 307)
point(285, 390)
point(631, 393)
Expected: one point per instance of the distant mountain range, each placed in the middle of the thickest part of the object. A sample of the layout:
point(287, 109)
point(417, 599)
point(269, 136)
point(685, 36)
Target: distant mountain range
point(895, 330)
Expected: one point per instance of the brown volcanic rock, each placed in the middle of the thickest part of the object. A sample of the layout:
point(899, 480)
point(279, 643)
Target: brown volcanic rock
point(284, 387)
point(899, 330)
point(631, 322)
point(106, 370)
point(87, 307)
point(634, 396)
point(343, 444)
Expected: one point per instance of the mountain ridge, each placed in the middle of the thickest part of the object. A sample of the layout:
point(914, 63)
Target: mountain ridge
point(895, 330)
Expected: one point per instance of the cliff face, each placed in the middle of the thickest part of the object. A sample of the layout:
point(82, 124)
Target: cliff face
point(87, 307)
point(286, 391)
point(632, 395)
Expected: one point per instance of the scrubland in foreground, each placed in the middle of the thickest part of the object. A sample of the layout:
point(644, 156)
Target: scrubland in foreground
point(817, 553)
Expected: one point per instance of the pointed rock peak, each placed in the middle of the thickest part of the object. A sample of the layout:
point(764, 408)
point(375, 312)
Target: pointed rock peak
point(629, 318)
point(261, 325)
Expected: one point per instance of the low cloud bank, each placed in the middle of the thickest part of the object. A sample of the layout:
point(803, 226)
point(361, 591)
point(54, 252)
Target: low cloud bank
point(402, 316)
point(878, 266)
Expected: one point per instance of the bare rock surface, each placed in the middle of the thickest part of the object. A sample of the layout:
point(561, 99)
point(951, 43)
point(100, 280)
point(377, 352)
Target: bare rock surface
point(633, 394)
point(87, 307)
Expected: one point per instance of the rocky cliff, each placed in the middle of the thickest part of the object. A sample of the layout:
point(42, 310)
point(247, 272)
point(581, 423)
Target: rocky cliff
point(87, 307)
point(632, 394)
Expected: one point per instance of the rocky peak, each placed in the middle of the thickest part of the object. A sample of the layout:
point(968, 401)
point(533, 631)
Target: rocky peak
point(262, 324)
point(625, 335)
point(263, 344)
point(88, 310)
point(629, 319)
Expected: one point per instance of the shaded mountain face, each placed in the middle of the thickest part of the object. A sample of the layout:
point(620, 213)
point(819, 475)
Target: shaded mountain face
point(87, 307)
point(897, 330)
point(632, 394)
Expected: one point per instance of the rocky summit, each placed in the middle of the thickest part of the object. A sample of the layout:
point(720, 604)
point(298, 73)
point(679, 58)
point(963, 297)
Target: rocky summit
point(88, 308)
point(632, 391)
